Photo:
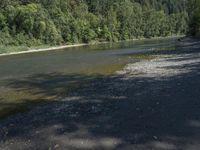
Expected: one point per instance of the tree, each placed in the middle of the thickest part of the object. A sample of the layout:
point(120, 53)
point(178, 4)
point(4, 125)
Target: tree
point(3, 21)
point(72, 21)
point(194, 14)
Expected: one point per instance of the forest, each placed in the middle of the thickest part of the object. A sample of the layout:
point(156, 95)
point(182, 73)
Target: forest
point(58, 22)
point(194, 15)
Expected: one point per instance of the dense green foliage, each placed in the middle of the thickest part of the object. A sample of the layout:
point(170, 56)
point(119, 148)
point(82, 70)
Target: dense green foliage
point(34, 22)
point(194, 13)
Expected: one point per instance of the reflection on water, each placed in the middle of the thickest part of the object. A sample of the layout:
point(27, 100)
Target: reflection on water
point(77, 59)
point(24, 79)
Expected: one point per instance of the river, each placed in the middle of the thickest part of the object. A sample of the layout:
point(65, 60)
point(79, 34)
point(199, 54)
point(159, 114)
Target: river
point(26, 78)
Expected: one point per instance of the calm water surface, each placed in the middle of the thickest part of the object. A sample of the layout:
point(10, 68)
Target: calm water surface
point(76, 60)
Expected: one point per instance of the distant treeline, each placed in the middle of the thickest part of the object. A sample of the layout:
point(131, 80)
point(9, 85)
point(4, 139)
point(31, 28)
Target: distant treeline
point(35, 22)
point(194, 15)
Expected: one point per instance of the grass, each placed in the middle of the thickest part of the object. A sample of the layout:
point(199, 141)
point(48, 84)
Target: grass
point(11, 49)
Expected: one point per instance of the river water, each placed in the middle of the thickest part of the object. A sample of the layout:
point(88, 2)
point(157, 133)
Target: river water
point(27, 78)
point(79, 59)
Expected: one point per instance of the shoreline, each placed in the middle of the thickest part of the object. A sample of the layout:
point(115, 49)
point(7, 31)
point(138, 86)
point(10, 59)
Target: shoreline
point(35, 50)
point(42, 49)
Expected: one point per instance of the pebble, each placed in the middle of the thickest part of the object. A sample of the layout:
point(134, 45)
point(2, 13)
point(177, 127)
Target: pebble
point(57, 146)
point(155, 137)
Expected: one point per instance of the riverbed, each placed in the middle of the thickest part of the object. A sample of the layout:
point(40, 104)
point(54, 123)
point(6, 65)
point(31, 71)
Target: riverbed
point(150, 103)
point(27, 79)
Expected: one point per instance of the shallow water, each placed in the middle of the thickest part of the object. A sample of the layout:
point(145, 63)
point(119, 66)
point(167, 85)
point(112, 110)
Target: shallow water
point(43, 76)
point(76, 60)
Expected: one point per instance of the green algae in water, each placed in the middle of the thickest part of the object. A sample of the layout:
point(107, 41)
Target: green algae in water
point(19, 99)
point(21, 94)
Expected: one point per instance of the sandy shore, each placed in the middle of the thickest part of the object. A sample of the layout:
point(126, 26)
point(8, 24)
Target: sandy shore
point(42, 49)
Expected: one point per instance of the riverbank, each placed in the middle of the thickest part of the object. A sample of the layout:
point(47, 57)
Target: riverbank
point(42, 49)
point(25, 50)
